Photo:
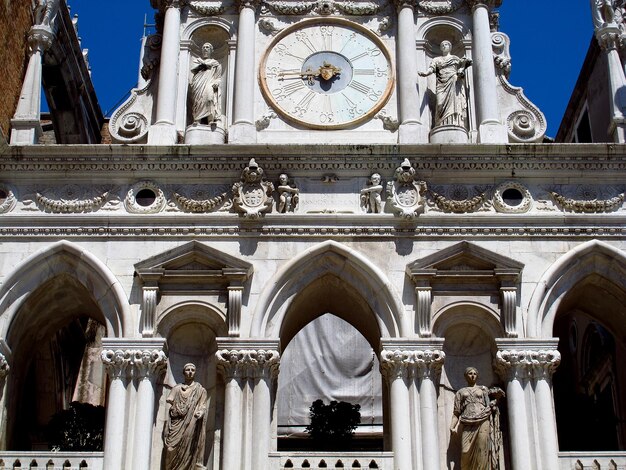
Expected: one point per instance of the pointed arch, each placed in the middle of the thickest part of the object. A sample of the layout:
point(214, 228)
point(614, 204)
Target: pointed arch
point(330, 265)
point(590, 258)
point(66, 258)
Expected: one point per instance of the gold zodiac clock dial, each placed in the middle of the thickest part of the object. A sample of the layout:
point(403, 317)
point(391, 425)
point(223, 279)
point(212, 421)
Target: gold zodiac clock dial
point(326, 74)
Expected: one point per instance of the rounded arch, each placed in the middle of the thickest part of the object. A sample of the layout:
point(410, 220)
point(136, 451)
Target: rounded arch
point(329, 265)
point(65, 258)
point(592, 258)
point(444, 21)
point(216, 21)
point(468, 312)
point(192, 311)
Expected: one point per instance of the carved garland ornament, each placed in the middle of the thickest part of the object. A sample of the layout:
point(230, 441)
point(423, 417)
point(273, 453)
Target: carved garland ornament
point(439, 7)
point(457, 206)
point(322, 7)
point(206, 10)
point(70, 201)
point(588, 206)
point(198, 206)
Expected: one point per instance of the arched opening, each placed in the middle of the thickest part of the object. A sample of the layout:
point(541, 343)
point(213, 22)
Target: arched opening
point(57, 383)
point(589, 391)
point(329, 336)
point(191, 329)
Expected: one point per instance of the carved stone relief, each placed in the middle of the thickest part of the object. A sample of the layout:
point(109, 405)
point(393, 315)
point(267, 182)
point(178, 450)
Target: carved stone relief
point(371, 199)
point(405, 195)
point(588, 206)
point(71, 199)
point(252, 196)
point(322, 7)
point(439, 7)
point(145, 197)
point(288, 195)
point(7, 199)
point(512, 197)
point(200, 200)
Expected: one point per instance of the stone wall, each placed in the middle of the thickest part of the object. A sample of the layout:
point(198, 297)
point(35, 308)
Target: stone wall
point(15, 20)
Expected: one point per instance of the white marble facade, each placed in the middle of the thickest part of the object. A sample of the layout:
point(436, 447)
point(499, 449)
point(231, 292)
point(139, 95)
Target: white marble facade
point(508, 257)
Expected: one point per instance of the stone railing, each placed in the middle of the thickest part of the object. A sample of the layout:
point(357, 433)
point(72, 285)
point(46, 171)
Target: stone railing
point(317, 460)
point(11, 460)
point(592, 460)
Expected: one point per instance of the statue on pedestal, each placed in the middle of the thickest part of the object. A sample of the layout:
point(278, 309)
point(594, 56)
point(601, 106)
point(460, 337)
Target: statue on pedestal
point(602, 13)
point(206, 87)
point(185, 430)
point(371, 200)
point(451, 107)
point(477, 417)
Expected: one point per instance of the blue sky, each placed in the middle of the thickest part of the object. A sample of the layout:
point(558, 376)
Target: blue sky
point(549, 40)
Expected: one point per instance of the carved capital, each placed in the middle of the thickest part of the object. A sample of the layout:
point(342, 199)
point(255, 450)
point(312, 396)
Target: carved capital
point(40, 38)
point(513, 364)
point(405, 364)
point(609, 37)
point(116, 362)
point(395, 364)
point(544, 363)
point(400, 4)
point(242, 363)
point(489, 4)
point(428, 363)
point(4, 366)
point(253, 4)
point(148, 363)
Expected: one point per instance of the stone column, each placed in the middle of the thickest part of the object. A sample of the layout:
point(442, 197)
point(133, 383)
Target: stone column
point(230, 364)
point(490, 129)
point(395, 366)
point(609, 39)
point(243, 130)
point(163, 132)
point(265, 371)
point(544, 363)
point(411, 130)
point(428, 367)
point(26, 125)
point(116, 363)
point(148, 365)
point(514, 367)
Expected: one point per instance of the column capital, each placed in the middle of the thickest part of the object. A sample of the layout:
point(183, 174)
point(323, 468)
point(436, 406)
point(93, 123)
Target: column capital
point(248, 363)
point(544, 363)
point(609, 37)
point(405, 363)
point(526, 358)
point(252, 4)
point(116, 362)
point(489, 4)
point(40, 38)
point(400, 4)
point(141, 357)
point(395, 364)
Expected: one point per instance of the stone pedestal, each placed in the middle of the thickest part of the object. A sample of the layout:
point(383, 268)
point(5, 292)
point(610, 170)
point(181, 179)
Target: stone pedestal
point(449, 135)
point(203, 134)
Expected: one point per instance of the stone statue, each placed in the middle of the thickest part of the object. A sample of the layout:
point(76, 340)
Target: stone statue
point(451, 107)
point(602, 13)
point(185, 430)
point(288, 196)
point(45, 11)
point(476, 414)
point(206, 87)
point(371, 201)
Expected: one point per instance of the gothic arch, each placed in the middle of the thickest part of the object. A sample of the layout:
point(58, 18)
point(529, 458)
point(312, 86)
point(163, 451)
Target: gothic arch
point(331, 265)
point(591, 258)
point(69, 259)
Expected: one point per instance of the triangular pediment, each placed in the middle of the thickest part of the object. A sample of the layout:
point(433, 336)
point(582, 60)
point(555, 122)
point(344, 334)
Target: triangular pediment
point(193, 259)
point(464, 259)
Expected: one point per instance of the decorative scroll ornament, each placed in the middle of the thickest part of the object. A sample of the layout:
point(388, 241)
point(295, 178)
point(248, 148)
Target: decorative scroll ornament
point(203, 9)
point(70, 200)
point(593, 206)
point(457, 206)
point(200, 205)
point(439, 7)
point(7, 199)
point(323, 7)
point(404, 195)
point(144, 205)
point(252, 196)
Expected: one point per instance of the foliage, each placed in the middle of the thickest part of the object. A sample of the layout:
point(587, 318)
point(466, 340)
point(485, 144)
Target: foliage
point(332, 426)
point(79, 428)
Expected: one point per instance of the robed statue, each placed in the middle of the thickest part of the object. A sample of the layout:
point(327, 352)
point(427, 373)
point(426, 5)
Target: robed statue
point(451, 109)
point(477, 418)
point(185, 430)
point(206, 87)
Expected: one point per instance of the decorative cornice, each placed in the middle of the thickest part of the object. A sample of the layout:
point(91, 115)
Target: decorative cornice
point(243, 363)
point(588, 207)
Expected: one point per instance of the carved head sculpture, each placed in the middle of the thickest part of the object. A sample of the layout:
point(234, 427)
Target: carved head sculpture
point(446, 47)
point(207, 50)
point(189, 371)
point(471, 375)
point(405, 173)
point(375, 179)
point(252, 173)
point(283, 179)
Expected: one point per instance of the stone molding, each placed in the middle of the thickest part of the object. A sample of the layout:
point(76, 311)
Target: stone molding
point(248, 363)
point(527, 359)
point(140, 358)
point(405, 363)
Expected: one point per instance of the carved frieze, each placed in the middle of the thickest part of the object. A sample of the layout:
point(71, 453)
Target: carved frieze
point(404, 194)
point(252, 196)
point(588, 206)
point(322, 7)
point(455, 205)
point(439, 7)
point(204, 9)
point(188, 204)
point(70, 199)
point(7, 199)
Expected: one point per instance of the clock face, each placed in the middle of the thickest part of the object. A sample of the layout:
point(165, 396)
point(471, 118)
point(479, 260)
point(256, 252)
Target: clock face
point(326, 74)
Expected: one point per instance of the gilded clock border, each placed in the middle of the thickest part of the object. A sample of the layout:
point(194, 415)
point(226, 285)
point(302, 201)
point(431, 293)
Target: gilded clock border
point(312, 22)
